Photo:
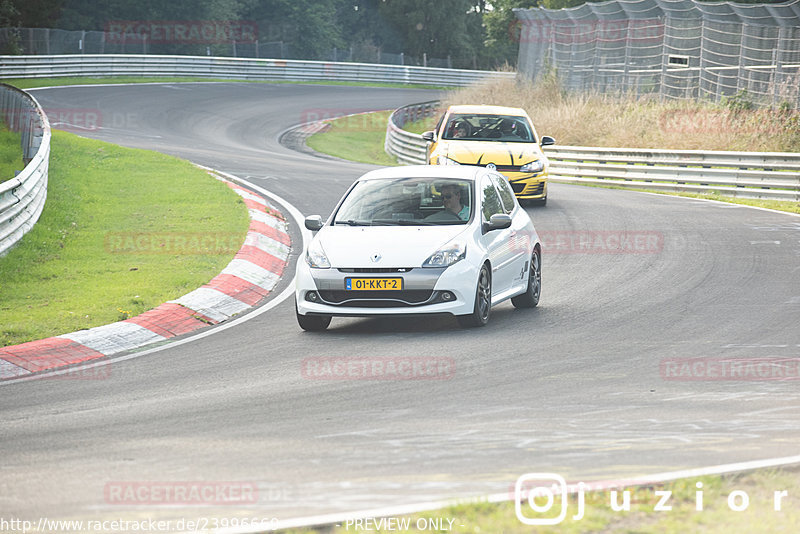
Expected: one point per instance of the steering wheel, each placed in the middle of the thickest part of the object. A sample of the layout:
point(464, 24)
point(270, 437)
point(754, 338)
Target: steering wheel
point(444, 215)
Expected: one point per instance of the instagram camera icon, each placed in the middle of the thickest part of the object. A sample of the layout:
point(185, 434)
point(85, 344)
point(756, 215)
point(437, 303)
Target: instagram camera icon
point(533, 486)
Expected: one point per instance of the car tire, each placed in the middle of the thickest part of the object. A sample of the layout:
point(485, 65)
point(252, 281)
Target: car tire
point(483, 301)
point(530, 298)
point(312, 323)
point(543, 201)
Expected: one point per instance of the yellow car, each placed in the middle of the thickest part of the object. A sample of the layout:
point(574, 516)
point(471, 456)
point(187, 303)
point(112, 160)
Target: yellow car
point(497, 137)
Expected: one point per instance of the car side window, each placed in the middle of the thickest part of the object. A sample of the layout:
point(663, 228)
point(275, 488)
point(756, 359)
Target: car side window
point(506, 194)
point(438, 128)
point(491, 200)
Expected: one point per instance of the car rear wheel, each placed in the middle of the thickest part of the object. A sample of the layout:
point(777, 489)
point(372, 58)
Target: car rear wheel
point(483, 301)
point(530, 298)
point(312, 323)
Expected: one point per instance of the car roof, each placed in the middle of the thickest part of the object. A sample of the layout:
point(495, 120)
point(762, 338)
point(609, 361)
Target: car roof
point(461, 172)
point(487, 110)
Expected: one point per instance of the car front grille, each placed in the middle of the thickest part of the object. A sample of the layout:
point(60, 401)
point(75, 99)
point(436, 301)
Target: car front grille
point(518, 187)
point(523, 188)
point(375, 269)
point(500, 168)
point(378, 299)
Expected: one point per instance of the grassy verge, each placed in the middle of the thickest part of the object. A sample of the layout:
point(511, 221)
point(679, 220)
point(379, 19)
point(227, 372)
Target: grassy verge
point(355, 138)
point(10, 153)
point(715, 515)
point(587, 119)
point(122, 231)
point(422, 125)
point(30, 83)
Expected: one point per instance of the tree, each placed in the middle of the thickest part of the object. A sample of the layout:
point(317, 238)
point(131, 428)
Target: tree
point(503, 30)
point(309, 27)
point(438, 29)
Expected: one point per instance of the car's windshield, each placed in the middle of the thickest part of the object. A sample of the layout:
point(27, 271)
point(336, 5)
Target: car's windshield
point(482, 127)
point(407, 201)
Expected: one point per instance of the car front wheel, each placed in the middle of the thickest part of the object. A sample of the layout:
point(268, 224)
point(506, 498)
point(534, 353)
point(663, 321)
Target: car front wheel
point(530, 298)
point(483, 301)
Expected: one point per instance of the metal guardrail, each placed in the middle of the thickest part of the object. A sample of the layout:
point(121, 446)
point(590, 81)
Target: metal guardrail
point(407, 147)
point(766, 175)
point(103, 65)
point(22, 197)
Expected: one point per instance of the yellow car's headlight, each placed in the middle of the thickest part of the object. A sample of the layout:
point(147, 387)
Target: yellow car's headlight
point(534, 166)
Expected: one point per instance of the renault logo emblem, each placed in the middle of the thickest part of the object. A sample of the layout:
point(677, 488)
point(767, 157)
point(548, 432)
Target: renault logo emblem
point(375, 258)
point(491, 167)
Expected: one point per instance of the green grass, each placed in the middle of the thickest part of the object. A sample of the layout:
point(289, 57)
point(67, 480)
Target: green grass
point(30, 83)
point(10, 153)
point(422, 125)
point(96, 254)
point(356, 138)
point(715, 517)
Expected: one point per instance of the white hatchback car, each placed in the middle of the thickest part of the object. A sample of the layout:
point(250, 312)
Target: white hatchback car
point(420, 240)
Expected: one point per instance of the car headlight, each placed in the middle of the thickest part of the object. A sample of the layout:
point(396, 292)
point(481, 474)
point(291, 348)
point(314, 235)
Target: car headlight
point(315, 256)
point(452, 252)
point(533, 166)
point(446, 161)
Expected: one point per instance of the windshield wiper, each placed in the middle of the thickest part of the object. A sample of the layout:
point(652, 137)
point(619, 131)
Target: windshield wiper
point(402, 222)
point(353, 222)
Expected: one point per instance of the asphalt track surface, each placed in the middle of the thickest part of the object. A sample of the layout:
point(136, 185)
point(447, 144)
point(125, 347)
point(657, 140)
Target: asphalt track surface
point(574, 386)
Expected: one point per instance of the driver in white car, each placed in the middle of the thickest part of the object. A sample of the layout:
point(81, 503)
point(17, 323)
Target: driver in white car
point(451, 199)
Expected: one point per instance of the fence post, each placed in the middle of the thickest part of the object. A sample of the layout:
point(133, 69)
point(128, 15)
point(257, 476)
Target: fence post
point(778, 78)
point(626, 68)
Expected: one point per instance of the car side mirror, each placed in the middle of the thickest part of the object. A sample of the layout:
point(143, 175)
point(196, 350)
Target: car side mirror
point(547, 140)
point(498, 221)
point(314, 222)
point(429, 136)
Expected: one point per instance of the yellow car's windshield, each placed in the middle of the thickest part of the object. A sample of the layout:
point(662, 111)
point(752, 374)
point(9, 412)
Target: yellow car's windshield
point(475, 127)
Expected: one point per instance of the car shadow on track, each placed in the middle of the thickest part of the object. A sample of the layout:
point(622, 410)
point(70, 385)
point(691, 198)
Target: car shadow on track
point(502, 318)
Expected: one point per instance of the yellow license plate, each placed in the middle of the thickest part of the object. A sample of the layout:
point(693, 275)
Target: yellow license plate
point(373, 284)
